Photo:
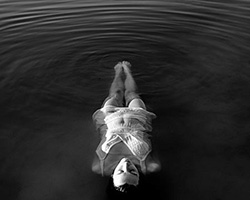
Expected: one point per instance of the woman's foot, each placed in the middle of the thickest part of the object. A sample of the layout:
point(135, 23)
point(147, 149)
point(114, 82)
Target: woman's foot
point(118, 69)
point(126, 66)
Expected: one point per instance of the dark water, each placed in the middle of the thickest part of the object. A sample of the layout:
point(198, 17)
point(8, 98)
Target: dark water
point(190, 60)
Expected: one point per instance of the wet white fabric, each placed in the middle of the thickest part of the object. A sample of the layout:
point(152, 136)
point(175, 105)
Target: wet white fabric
point(136, 141)
point(122, 124)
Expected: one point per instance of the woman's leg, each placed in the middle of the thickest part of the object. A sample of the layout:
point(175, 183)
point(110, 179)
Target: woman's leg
point(132, 99)
point(116, 91)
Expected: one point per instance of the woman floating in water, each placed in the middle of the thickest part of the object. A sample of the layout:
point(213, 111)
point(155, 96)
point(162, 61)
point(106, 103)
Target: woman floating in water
point(124, 125)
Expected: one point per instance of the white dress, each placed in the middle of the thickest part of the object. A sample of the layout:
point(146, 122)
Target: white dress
point(122, 124)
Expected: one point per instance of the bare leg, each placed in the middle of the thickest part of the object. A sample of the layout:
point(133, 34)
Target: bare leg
point(116, 91)
point(131, 96)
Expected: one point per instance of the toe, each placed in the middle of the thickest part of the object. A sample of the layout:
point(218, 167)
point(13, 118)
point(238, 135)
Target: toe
point(126, 63)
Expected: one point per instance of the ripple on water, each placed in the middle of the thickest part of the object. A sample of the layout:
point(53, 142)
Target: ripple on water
point(190, 59)
point(66, 38)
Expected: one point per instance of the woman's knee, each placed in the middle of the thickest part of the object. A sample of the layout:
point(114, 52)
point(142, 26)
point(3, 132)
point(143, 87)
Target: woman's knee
point(137, 103)
point(129, 96)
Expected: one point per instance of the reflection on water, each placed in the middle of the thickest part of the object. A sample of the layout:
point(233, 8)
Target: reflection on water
point(191, 62)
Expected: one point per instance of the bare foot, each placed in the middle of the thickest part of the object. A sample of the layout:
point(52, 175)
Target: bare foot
point(126, 66)
point(118, 68)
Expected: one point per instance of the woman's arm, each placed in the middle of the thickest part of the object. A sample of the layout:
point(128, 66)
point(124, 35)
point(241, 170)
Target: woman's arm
point(96, 167)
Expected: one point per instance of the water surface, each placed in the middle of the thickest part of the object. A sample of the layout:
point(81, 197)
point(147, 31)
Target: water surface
point(190, 60)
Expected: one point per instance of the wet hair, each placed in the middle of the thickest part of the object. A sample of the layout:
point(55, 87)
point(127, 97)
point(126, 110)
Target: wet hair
point(125, 188)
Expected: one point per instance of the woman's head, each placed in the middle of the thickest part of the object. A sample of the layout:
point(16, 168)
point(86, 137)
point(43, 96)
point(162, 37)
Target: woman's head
point(125, 181)
point(125, 173)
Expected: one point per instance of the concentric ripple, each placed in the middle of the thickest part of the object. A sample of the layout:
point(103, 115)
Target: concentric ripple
point(52, 43)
